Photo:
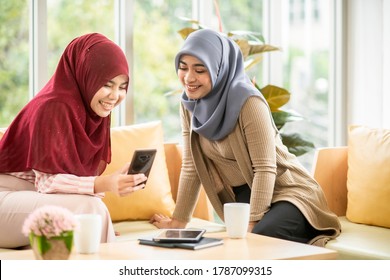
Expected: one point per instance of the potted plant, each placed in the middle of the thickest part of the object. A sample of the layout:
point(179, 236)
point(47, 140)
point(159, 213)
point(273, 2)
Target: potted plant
point(50, 230)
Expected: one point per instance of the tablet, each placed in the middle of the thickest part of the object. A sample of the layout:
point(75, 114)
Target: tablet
point(179, 235)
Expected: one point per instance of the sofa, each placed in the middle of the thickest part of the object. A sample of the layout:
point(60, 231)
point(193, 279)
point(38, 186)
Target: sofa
point(361, 238)
point(356, 182)
point(130, 214)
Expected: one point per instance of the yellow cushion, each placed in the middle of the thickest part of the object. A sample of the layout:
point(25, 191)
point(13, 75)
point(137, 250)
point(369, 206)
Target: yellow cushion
point(368, 178)
point(156, 197)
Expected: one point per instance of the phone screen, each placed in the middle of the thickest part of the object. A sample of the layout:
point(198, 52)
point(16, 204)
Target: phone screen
point(142, 162)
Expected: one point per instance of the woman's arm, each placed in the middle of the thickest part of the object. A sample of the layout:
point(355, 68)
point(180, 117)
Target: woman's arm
point(64, 183)
point(260, 136)
point(119, 182)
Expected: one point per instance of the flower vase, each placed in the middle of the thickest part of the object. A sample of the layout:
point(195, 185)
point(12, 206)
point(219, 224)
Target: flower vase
point(54, 248)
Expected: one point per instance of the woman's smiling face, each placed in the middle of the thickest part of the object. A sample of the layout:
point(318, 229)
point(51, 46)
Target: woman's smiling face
point(194, 76)
point(109, 96)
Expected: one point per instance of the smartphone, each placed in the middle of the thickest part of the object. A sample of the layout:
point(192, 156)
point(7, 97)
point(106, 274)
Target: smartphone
point(142, 162)
point(179, 235)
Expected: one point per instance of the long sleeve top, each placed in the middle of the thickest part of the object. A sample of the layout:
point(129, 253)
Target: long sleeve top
point(253, 154)
point(59, 183)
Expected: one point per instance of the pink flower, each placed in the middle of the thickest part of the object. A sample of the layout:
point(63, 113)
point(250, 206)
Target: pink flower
point(49, 221)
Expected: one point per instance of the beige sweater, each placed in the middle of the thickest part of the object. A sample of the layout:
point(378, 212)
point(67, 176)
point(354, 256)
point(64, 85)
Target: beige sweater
point(253, 154)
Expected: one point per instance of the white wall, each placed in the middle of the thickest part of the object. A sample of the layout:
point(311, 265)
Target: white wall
point(368, 66)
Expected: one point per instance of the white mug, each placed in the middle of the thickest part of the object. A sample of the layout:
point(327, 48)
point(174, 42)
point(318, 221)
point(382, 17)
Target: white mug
point(236, 219)
point(88, 233)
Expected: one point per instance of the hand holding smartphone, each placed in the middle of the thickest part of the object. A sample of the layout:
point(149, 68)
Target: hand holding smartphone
point(142, 162)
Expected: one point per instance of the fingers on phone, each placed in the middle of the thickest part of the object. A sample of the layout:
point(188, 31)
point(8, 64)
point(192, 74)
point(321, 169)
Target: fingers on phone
point(139, 178)
point(139, 187)
point(132, 189)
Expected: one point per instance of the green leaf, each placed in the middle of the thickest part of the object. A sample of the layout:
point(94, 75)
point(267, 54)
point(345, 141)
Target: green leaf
point(249, 48)
point(189, 20)
point(296, 144)
point(186, 31)
point(283, 117)
point(252, 61)
point(275, 96)
point(260, 48)
point(246, 35)
point(279, 119)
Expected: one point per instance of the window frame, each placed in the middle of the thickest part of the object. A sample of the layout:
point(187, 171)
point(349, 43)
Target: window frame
point(273, 65)
point(124, 26)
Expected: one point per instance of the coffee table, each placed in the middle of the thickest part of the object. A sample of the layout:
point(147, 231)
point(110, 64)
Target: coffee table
point(253, 247)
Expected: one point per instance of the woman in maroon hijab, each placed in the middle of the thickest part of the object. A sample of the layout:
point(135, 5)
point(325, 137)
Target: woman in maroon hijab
point(60, 142)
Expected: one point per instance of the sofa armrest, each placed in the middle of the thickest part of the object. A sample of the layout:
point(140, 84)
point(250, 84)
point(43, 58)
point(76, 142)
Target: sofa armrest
point(173, 156)
point(330, 169)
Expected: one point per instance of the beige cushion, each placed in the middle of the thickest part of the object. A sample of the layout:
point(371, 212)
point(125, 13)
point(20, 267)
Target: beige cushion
point(368, 178)
point(156, 197)
point(358, 241)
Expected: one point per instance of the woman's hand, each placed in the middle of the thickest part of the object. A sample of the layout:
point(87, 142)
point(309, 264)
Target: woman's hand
point(251, 225)
point(120, 182)
point(162, 221)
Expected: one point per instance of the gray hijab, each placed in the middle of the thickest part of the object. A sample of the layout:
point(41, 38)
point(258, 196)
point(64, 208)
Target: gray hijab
point(215, 115)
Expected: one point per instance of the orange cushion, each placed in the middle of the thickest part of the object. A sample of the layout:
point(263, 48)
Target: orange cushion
point(156, 197)
point(368, 178)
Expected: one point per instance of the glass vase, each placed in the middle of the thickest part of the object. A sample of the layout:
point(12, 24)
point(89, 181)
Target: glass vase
point(54, 248)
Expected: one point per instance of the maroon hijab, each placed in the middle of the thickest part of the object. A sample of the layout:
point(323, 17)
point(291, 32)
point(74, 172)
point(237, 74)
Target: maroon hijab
point(57, 131)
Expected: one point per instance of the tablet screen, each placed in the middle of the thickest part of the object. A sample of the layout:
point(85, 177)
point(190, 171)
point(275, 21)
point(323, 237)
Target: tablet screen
point(180, 235)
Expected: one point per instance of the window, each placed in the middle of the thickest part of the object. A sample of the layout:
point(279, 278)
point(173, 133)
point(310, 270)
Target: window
point(303, 33)
point(14, 53)
point(232, 14)
point(156, 43)
point(301, 28)
point(67, 19)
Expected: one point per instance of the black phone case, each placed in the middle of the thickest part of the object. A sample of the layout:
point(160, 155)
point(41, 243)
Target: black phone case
point(142, 161)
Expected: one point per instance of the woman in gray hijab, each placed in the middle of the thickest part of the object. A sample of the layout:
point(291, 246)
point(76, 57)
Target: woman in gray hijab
point(233, 149)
